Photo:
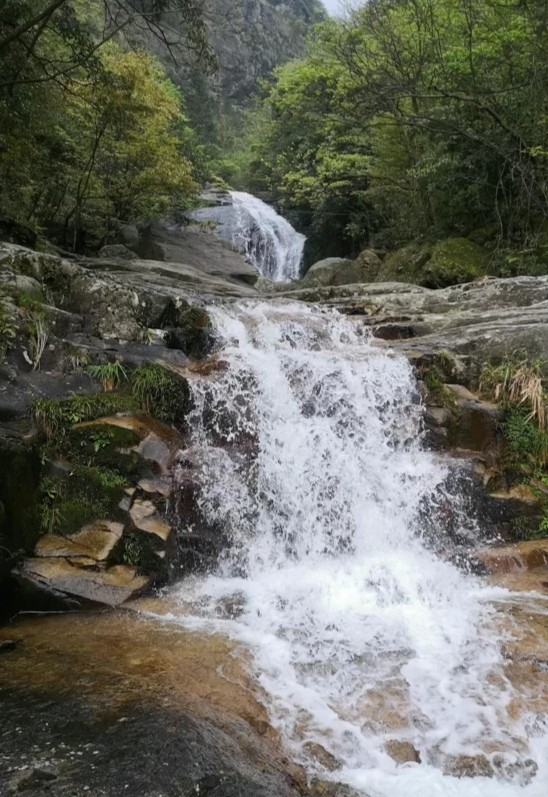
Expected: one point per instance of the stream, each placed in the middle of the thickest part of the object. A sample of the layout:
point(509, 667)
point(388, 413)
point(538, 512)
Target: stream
point(310, 444)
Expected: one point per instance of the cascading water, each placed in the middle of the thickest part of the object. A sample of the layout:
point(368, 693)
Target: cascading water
point(268, 240)
point(311, 460)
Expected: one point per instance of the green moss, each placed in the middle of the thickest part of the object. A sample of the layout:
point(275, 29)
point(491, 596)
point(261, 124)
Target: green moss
point(405, 264)
point(136, 549)
point(54, 418)
point(161, 393)
point(86, 494)
point(454, 261)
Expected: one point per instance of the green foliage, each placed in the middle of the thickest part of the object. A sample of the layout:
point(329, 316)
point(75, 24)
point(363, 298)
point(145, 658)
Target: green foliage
point(106, 139)
point(8, 327)
point(110, 375)
point(54, 418)
point(161, 393)
point(526, 444)
point(412, 120)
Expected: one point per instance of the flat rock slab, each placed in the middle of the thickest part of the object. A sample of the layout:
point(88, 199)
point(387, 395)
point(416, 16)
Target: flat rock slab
point(517, 558)
point(95, 542)
point(110, 587)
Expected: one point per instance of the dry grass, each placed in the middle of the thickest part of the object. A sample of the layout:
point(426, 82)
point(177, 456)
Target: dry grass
point(519, 384)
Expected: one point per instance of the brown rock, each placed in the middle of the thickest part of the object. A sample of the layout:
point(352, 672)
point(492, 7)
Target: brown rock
point(146, 518)
point(468, 766)
point(58, 576)
point(402, 752)
point(94, 543)
point(516, 558)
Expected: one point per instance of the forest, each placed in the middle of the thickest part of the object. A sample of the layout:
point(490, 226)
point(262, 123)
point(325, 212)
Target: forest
point(406, 122)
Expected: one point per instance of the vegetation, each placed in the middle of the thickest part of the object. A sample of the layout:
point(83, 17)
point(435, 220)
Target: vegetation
point(110, 375)
point(161, 393)
point(55, 418)
point(90, 131)
point(8, 327)
point(519, 384)
point(414, 120)
point(92, 126)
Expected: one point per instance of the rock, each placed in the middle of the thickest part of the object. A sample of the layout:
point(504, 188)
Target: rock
point(210, 251)
point(35, 778)
point(478, 421)
point(511, 514)
point(58, 576)
point(128, 235)
point(516, 558)
point(328, 272)
point(96, 542)
point(402, 752)
point(7, 645)
point(117, 252)
point(467, 766)
point(190, 331)
point(476, 323)
point(322, 756)
point(145, 518)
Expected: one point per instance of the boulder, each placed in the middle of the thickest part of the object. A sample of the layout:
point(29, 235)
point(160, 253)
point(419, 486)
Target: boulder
point(81, 586)
point(517, 558)
point(117, 252)
point(94, 543)
point(325, 272)
point(402, 752)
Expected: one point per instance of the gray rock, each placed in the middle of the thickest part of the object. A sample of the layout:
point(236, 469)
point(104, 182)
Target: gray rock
point(324, 272)
point(341, 271)
point(118, 252)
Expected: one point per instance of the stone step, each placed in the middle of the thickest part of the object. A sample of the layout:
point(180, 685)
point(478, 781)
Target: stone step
point(94, 542)
point(60, 577)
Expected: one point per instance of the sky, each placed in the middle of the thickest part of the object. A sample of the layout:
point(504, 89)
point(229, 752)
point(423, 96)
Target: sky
point(333, 6)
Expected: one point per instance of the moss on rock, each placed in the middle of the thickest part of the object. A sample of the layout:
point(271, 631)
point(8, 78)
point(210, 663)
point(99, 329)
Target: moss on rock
point(453, 262)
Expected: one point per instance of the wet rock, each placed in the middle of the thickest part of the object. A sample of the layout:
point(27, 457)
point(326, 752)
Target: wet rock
point(145, 518)
point(96, 542)
point(467, 766)
point(510, 514)
point(322, 756)
point(478, 421)
point(516, 558)
point(37, 777)
point(81, 586)
point(402, 752)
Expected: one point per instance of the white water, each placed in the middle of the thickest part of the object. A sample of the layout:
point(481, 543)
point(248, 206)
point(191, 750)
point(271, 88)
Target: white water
point(360, 634)
point(269, 241)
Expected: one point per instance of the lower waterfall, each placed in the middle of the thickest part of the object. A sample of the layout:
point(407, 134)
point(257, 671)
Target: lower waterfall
point(309, 444)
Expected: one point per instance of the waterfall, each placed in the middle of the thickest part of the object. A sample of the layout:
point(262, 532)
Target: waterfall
point(268, 240)
point(310, 448)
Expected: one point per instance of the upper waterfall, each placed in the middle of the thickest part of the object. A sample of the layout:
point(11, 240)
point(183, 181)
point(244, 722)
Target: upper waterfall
point(270, 243)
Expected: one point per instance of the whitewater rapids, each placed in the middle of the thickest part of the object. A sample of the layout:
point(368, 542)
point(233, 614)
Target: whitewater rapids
point(312, 461)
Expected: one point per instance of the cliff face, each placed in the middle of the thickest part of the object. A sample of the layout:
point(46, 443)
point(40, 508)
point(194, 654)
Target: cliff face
point(249, 38)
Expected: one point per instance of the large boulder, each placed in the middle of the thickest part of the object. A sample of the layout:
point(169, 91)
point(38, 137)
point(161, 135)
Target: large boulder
point(449, 262)
point(341, 271)
point(324, 272)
